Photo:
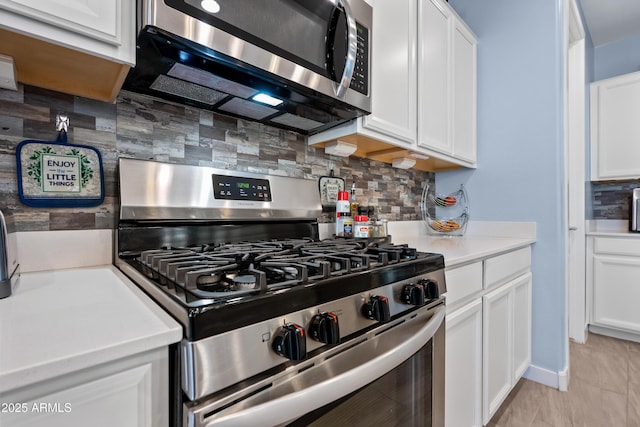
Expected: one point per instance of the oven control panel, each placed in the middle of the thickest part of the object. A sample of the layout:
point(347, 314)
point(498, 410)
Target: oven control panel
point(323, 324)
point(227, 187)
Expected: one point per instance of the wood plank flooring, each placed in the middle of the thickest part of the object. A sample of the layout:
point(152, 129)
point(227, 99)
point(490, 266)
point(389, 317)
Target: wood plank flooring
point(604, 390)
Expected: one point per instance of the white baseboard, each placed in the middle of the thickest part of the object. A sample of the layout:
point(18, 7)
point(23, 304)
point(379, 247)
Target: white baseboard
point(559, 380)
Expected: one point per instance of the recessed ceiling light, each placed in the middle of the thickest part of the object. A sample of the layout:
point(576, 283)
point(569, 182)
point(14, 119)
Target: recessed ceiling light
point(211, 6)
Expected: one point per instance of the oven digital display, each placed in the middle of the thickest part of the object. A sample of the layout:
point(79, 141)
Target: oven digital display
point(239, 188)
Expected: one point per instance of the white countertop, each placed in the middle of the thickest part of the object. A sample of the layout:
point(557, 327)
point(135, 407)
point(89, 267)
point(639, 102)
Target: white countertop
point(57, 322)
point(482, 240)
point(464, 249)
point(610, 228)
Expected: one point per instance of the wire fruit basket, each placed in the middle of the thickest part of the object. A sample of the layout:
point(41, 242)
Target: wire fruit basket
point(445, 214)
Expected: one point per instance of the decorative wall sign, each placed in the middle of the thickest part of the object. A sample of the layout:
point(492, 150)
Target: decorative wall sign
point(329, 187)
point(57, 174)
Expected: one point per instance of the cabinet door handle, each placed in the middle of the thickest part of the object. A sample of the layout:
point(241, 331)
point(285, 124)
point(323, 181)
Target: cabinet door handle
point(573, 228)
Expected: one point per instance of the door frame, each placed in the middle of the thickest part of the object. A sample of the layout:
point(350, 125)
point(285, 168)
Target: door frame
point(575, 175)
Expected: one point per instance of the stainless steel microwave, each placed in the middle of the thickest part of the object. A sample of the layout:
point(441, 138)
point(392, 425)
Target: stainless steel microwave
point(302, 65)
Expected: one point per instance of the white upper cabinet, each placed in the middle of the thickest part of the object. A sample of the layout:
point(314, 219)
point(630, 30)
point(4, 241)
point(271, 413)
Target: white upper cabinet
point(447, 83)
point(464, 92)
point(435, 83)
point(416, 46)
point(393, 78)
point(81, 47)
point(103, 28)
point(615, 128)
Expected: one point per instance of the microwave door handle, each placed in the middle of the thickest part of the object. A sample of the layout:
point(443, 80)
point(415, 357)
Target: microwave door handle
point(294, 405)
point(342, 85)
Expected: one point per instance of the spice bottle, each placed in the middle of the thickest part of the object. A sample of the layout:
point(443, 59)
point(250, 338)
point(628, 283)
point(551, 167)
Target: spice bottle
point(361, 226)
point(342, 212)
point(353, 204)
point(347, 225)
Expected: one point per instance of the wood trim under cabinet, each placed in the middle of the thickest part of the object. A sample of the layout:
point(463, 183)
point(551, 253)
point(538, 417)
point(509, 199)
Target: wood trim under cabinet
point(374, 149)
point(46, 65)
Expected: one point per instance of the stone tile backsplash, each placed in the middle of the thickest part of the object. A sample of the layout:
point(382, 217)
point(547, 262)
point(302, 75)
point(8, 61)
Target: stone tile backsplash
point(143, 127)
point(612, 200)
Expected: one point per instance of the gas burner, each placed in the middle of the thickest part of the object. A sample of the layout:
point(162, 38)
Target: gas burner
point(244, 282)
point(220, 272)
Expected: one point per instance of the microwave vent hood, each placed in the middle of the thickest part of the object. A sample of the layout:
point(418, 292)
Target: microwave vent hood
point(182, 59)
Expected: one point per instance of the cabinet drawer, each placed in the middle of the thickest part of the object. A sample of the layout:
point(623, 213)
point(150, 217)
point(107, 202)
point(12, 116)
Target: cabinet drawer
point(502, 268)
point(615, 246)
point(463, 282)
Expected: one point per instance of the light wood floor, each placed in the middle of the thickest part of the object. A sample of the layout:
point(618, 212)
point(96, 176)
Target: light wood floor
point(604, 390)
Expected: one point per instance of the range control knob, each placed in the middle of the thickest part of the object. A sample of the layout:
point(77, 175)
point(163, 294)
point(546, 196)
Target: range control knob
point(325, 328)
point(431, 290)
point(290, 342)
point(413, 294)
point(377, 309)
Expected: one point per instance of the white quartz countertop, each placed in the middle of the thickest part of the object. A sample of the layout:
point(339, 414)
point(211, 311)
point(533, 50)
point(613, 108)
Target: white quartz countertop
point(483, 240)
point(465, 249)
point(610, 228)
point(61, 321)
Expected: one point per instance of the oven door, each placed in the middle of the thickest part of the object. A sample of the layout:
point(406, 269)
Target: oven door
point(393, 375)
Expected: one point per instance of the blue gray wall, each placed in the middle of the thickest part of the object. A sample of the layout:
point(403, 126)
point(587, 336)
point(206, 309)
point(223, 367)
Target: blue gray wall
point(616, 58)
point(520, 147)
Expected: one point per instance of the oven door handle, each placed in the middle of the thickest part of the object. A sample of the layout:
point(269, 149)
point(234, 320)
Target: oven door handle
point(383, 353)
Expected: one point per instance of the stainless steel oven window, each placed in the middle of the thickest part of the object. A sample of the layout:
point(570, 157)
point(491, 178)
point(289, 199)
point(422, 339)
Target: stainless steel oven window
point(402, 397)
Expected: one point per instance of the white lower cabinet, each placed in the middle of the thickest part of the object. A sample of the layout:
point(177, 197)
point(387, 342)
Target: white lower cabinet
point(131, 392)
point(507, 340)
point(497, 309)
point(463, 366)
point(615, 273)
point(488, 342)
point(522, 303)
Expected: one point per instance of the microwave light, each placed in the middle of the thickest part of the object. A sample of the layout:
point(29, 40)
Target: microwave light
point(211, 6)
point(267, 99)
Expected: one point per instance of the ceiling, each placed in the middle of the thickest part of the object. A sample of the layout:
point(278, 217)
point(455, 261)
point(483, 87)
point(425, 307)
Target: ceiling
point(611, 20)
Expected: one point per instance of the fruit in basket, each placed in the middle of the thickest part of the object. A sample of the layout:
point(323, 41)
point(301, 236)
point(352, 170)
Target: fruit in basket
point(444, 201)
point(445, 226)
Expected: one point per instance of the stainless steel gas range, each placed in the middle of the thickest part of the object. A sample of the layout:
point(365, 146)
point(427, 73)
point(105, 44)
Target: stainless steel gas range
point(280, 328)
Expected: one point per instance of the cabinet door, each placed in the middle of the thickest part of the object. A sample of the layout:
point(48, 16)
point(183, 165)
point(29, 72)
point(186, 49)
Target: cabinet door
point(464, 93)
point(122, 399)
point(497, 345)
point(463, 366)
point(615, 128)
point(394, 69)
point(616, 292)
point(521, 326)
point(102, 27)
point(434, 78)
